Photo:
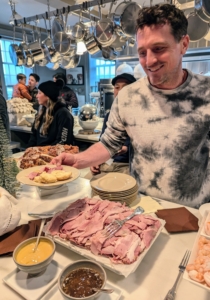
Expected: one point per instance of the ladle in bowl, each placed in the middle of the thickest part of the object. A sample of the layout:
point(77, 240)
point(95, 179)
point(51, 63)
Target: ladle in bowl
point(39, 234)
point(108, 291)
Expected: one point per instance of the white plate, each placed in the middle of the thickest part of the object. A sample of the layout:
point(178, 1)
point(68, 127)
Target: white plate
point(113, 182)
point(194, 254)
point(22, 176)
point(121, 269)
point(55, 294)
point(203, 208)
point(33, 287)
point(206, 218)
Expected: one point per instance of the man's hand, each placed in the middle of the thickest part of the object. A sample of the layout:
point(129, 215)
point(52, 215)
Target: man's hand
point(123, 150)
point(95, 170)
point(64, 159)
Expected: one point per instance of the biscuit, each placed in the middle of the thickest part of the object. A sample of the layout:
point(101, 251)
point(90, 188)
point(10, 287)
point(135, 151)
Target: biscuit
point(37, 179)
point(61, 175)
point(47, 178)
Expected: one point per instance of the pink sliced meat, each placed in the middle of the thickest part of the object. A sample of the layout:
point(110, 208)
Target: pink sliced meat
point(32, 175)
point(83, 223)
point(148, 236)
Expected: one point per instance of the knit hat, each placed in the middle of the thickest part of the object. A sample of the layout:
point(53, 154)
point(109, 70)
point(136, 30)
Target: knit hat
point(125, 76)
point(50, 89)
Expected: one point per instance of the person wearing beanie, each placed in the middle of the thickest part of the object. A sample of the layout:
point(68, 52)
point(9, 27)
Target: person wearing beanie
point(54, 123)
point(120, 162)
point(66, 92)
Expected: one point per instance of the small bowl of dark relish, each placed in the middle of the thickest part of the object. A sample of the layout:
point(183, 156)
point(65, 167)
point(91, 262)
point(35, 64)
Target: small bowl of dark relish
point(79, 279)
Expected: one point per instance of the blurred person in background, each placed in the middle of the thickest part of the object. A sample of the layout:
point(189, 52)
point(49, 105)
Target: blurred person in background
point(4, 114)
point(120, 162)
point(33, 90)
point(54, 123)
point(20, 90)
point(66, 92)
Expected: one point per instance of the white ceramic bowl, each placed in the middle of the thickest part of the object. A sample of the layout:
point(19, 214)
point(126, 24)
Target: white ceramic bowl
point(88, 125)
point(77, 265)
point(30, 118)
point(39, 267)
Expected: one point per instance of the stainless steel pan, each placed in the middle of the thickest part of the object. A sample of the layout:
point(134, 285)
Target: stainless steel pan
point(65, 59)
point(125, 17)
point(204, 6)
point(105, 29)
point(57, 24)
point(90, 40)
point(79, 30)
point(197, 28)
point(29, 60)
point(109, 53)
point(120, 43)
point(71, 62)
point(91, 44)
point(16, 54)
point(61, 39)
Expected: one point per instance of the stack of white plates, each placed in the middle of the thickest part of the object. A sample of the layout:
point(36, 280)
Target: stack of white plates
point(115, 187)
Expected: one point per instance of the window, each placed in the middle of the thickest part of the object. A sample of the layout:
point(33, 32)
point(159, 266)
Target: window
point(10, 71)
point(100, 69)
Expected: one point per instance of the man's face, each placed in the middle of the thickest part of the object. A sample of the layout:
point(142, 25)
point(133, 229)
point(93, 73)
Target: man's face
point(161, 55)
point(54, 79)
point(119, 84)
point(32, 82)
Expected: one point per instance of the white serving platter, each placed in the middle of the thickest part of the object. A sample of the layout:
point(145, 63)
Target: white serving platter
point(121, 269)
point(194, 254)
point(206, 218)
point(33, 287)
point(55, 294)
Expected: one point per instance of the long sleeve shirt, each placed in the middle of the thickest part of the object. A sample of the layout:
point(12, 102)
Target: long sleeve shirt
point(124, 158)
point(21, 91)
point(168, 130)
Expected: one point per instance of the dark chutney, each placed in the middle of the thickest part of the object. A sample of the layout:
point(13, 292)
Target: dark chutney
point(80, 282)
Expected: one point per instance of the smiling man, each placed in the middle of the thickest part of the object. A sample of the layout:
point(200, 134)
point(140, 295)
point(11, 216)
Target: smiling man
point(166, 115)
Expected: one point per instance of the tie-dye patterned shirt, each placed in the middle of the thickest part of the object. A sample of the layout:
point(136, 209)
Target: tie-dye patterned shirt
point(169, 134)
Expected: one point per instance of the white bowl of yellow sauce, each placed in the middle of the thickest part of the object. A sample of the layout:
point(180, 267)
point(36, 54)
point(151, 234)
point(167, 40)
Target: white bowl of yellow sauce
point(34, 262)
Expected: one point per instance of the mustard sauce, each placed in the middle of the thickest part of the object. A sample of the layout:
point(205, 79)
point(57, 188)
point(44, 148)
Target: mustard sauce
point(26, 256)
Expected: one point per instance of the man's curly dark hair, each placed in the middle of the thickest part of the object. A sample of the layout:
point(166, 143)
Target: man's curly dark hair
point(161, 14)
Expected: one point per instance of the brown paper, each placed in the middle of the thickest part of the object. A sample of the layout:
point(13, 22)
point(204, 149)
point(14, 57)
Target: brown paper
point(178, 219)
point(10, 240)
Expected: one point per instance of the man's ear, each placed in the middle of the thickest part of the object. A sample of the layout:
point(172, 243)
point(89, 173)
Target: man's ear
point(185, 43)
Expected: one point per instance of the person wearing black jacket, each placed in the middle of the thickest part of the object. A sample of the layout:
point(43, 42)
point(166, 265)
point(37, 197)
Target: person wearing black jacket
point(66, 92)
point(4, 114)
point(54, 123)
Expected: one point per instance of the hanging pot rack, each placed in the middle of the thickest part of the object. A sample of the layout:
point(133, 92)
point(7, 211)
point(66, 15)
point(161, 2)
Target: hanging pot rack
point(85, 6)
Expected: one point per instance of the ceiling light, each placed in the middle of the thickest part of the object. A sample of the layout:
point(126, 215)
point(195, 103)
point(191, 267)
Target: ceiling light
point(81, 48)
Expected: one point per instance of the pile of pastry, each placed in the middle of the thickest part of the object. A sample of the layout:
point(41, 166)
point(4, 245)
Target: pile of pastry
point(18, 105)
point(38, 156)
